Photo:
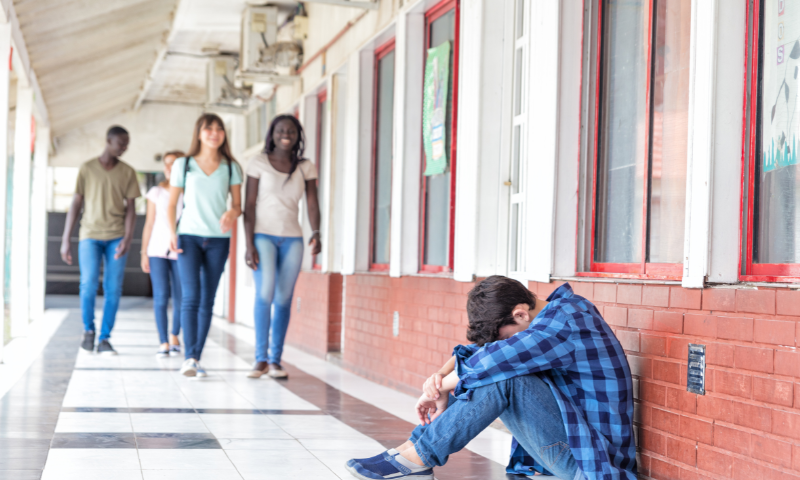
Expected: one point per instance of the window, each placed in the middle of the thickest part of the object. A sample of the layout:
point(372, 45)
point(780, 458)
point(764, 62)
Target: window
point(771, 204)
point(516, 261)
point(641, 138)
point(383, 118)
point(438, 191)
point(322, 159)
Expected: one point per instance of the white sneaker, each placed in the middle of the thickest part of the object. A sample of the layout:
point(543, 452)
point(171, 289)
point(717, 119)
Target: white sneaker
point(200, 372)
point(189, 368)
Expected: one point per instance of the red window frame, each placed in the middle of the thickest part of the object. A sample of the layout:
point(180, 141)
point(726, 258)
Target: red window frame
point(380, 52)
point(754, 272)
point(434, 13)
point(322, 96)
point(643, 269)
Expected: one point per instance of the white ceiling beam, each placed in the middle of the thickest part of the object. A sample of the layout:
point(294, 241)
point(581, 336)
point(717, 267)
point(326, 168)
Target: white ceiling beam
point(162, 53)
point(89, 19)
point(366, 4)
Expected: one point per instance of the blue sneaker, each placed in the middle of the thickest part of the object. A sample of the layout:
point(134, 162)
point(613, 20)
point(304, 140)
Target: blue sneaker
point(377, 458)
point(390, 468)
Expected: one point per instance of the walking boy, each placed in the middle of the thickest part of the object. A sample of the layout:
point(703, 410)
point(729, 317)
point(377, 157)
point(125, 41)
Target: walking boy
point(552, 371)
point(106, 189)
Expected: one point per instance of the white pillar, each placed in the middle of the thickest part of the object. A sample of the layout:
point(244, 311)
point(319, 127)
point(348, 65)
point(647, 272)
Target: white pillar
point(351, 159)
point(701, 143)
point(38, 242)
point(5, 51)
point(20, 228)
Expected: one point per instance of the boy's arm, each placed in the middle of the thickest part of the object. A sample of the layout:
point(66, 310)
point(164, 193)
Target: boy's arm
point(433, 384)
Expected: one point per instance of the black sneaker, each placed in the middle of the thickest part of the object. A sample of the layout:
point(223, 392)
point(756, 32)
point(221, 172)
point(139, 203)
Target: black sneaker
point(88, 341)
point(105, 347)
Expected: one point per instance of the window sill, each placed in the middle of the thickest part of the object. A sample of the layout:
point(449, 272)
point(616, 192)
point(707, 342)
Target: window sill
point(595, 277)
point(629, 276)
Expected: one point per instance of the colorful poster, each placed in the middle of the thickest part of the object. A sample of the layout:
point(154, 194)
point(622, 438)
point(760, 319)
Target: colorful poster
point(434, 109)
point(780, 114)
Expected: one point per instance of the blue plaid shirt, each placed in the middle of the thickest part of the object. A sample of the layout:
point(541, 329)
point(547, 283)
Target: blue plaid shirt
point(578, 356)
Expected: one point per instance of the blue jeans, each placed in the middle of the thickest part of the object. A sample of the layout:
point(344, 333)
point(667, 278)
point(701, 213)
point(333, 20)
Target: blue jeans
point(279, 261)
point(91, 253)
point(526, 406)
point(201, 265)
point(163, 273)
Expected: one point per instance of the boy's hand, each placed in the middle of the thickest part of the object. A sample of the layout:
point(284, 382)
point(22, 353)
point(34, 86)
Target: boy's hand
point(432, 386)
point(428, 409)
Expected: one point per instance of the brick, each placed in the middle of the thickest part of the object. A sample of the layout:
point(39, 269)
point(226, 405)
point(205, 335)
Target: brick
point(584, 289)
point(681, 400)
point(698, 430)
point(639, 318)
point(700, 325)
point(680, 297)
point(720, 354)
point(605, 292)
point(731, 383)
point(615, 316)
point(769, 390)
point(653, 345)
point(693, 474)
point(755, 301)
point(787, 302)
point(735, 328)
point(629, 340)
point(776, 332)
point(681, 451)
point(653, 393)
point(752, 416)
point(796, 457)
point(663, 470)
point(667, 371)
point(714, 461)
point(715, 408)
point(629, 294)
point(666, 421)
point(641, 366)
point(797, 395)
point(737, 441)
point(786, 424)
point(743, 469)
point(652, 441)
point(665, 321)
point(655, 296)
point(719, 299)
point(757, 359)
point(678, 348)
point(772, 451)
point(643, 463)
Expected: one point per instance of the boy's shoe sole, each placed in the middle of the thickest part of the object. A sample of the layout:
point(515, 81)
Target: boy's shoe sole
point(88, 342)
point(412, 476)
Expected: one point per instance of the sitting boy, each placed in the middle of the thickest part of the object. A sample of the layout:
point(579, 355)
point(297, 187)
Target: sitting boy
point(554, 373)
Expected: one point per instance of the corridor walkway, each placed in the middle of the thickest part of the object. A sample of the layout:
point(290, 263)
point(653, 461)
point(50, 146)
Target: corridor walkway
point(75, 415)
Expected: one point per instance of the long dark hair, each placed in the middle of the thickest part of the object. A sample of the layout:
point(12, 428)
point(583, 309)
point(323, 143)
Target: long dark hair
point(298, 147)
point(208, 119)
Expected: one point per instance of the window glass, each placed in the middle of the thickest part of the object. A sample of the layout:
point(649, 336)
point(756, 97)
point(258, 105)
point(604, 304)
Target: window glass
point(670, 137)
point(382, 194)
point(776, 218)
point(437, 187)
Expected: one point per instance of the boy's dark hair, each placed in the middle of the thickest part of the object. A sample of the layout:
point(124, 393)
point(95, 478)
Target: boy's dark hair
point(490, 306)
point(114, 131)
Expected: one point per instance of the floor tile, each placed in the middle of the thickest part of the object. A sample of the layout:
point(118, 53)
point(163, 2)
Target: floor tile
point(22, 458)
point(93, 440)
point(185, 460)
point(176, 441)
point(20, 474)
point(168, 423)
point(260, 444)
point(244, 426)
point(109, 459)
point(93, 422)
point(191, 475)
point(91, 475)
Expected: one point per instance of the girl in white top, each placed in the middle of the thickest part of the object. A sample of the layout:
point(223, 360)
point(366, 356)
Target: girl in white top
point(160, 262)
point(276, 181)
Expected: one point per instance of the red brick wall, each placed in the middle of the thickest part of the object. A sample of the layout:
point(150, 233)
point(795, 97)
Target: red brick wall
point(316, 326)
point(747, 425)
point(433, 320)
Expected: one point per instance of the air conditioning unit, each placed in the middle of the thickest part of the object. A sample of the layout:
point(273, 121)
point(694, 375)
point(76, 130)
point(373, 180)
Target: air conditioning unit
point(223, 90)
point(263, 56)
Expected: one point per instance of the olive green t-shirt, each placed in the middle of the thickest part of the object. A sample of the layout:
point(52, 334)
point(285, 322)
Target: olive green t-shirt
point(104, 194)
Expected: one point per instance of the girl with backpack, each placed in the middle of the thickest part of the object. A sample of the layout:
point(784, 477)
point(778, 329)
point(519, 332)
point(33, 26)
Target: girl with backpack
point(205, 177)
point(277, 178)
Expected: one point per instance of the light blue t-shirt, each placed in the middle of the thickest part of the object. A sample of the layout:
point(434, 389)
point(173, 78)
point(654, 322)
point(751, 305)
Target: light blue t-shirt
point(205, 197)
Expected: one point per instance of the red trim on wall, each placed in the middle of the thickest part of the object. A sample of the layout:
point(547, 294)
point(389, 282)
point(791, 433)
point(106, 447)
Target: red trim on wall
point(380, 52)
point(432, 15)
point(232, 275)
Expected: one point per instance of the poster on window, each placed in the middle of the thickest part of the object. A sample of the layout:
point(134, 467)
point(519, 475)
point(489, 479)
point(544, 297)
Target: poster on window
point(780, 114)
point(434, 109)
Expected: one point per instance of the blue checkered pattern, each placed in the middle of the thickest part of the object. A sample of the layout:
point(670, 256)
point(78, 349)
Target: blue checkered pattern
point(585, 368)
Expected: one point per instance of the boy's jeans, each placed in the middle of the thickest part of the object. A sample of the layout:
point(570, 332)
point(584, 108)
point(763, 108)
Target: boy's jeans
point(526, 406)
point(91, 253)
point(279, 261)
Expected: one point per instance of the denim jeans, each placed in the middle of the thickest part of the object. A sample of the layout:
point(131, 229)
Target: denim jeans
point(166, 279)
point(91, 253)
point(526, 406)
point(279, 261)
point(201, 265)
